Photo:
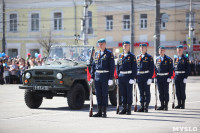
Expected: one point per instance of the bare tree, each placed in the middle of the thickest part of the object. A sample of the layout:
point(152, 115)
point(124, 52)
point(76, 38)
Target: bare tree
point(46, 41)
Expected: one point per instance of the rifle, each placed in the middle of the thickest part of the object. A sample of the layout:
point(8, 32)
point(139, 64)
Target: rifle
point(117, 85)
point(90, 84)
point(156, 96)
point(173, 94)
point(135, 95)
point(91, 100)
point(117, 111)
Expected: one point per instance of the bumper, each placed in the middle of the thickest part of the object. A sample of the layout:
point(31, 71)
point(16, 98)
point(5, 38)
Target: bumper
point(49, 88)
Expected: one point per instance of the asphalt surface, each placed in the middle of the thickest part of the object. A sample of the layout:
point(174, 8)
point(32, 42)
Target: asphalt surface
point(54, 116)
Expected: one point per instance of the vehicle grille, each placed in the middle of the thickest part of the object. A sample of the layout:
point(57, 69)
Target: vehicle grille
point(43, 72)
point(44, 79)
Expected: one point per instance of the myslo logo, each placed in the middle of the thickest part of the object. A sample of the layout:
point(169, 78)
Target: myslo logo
point(185, 129)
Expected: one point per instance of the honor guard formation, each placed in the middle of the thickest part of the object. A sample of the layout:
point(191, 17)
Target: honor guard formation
point(132, 70)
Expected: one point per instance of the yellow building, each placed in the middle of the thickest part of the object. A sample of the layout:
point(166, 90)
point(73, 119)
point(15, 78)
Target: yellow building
point(33, 21)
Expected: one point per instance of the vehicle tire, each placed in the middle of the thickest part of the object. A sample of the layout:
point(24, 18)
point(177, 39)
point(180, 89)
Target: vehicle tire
point(76, 96)
point(32, 100)
point(113, 98)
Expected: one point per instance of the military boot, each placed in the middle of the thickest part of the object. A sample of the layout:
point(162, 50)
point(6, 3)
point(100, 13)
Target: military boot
point(183, 104)
point(104, 115)
point(128, 112)
point(146, 107)
point(166, 106)
point(162, 106)
point(99, 113)
point(141, 108)
point(123, 110)
point(179, 105)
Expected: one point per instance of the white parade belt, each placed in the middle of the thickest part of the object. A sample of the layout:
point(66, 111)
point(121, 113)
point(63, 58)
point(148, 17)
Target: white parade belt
point(162, 74)
point(125, 72)
point(143, 72)
point(102, 71)
point(179, 71)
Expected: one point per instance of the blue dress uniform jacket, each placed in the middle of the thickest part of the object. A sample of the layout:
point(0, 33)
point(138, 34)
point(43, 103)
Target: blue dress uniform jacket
point(126, 64)
point(163, 67)
point(144, 64)
point(181, 65)
point(104, 62)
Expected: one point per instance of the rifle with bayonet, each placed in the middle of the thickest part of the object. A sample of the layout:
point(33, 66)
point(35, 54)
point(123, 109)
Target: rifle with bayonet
point(90, 83)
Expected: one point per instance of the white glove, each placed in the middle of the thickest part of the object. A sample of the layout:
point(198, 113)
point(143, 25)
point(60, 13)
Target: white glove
point(132, 81)
point(169, 80)
point(149, 81)
point(91, 80)
point(110, 82)
point(184, 80)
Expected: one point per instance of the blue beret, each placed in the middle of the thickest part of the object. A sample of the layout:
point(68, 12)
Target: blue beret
point(102, 40)
point(143, 45)
point(161, 47)
point(180, 46)
point(126, 42)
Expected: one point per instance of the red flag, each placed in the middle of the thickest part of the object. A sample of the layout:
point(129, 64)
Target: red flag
point(154, 74)
point(88, 74)
point(115, 74)
point(172, 77)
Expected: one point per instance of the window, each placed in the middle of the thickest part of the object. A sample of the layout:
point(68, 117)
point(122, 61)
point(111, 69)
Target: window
point(12, 53)
point(13, 22)
point(143, 21)
point(57, 21)
point(163, 25)
point(90, 29)
point(35, 22)
point(109, 22)
point(33, 51)
point(126, 21)
point(188, 19)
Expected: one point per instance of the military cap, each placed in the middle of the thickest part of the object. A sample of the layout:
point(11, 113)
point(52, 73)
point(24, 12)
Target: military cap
point(161, 47)
point(143, 45)
point(126, 42)
point(180, 46)
point(102, 40)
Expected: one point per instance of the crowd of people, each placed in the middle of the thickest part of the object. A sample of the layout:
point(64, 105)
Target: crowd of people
point(12, 69)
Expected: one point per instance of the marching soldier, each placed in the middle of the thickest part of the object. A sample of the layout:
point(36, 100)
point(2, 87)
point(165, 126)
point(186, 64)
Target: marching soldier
point(145, 68)
point(102, 72)
point(164, 71)
point(127, 71)
point(181, 68)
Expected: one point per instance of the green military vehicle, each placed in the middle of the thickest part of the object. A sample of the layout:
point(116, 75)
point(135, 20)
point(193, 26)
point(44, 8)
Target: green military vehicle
point(63, 74)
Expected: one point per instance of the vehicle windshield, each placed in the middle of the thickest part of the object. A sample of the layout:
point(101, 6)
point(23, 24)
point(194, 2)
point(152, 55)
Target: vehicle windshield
point(74, 54)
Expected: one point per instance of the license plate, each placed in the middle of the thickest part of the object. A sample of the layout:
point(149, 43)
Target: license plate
point(41, 87)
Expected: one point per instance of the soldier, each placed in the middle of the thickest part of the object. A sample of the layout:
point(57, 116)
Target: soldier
point(102, 71)
point(164, 71)
point(145, 67)
point(127, 71)
point(181, 68)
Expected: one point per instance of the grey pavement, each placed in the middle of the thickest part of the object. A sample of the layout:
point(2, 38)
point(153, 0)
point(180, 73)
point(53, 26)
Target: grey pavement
point(54, 116)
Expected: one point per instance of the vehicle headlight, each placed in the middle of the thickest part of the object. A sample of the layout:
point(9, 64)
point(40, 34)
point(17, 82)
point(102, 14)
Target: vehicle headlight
point(28, 75)
point(59, 76)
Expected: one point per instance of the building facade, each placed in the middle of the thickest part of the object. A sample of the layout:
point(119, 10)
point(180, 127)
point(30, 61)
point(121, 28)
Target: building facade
point(115, 20)
point(30, 22)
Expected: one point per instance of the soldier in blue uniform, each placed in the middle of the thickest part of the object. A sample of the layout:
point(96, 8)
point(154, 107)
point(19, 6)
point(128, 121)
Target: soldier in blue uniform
point(127, 71)
point(102, 72)
point(164, 71)
point(145, 70)
point(182, 69)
